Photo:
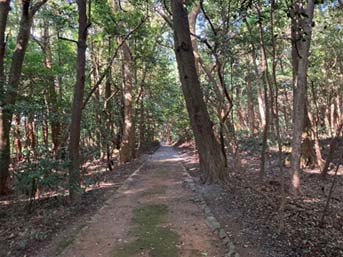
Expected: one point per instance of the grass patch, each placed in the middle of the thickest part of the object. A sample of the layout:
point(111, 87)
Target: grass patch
point(150, 236)
point(62, 245)
point(159, 190)
point(161, 172)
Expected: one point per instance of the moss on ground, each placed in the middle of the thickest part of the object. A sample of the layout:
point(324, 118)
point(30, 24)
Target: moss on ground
point(159, 190)
point(150, 236)
point(162, 172)
point(63, 244)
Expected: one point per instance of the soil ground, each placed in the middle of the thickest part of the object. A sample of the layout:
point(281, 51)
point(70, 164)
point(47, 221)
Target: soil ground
point(248, 207)
point(153, 214)
point(116, 223)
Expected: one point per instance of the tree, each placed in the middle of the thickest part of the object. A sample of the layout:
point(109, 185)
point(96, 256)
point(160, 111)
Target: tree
point(211, 158)
point(74, 142)
point(302, 20)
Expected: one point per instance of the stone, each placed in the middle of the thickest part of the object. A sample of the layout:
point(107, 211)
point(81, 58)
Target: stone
point(222, 233)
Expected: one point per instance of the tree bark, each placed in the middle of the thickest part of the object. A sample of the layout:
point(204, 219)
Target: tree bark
point(52, 95)
point(250, 99)
point(74, 143)
point(127, 143)
point(210, 155)
point(301, 47)
point(192, 18)
point(4, 9)
point(17, 138)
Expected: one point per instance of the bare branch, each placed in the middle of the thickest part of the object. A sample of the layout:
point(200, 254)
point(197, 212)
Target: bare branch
point(39, 43)
point(203, 41)
point(207, 18)
point(67, 39)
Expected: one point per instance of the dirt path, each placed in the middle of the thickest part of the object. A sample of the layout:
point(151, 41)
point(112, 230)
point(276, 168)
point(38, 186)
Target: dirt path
point(152, 215)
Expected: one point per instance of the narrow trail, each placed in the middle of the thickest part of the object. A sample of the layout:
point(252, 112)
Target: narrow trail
point(152, 215)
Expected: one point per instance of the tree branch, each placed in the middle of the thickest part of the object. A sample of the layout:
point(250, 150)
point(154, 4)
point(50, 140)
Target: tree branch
point(39, 43)
point(67, 39)
point(98, 83)
point(37, 6)
point(167, 19)
point(207, 18)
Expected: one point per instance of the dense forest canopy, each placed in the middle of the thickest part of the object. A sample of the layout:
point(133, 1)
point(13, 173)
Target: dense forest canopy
point(253, 59)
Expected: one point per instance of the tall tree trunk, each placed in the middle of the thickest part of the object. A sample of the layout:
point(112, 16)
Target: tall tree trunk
point(301, 47)
point(17, 138)
point(127, 140)
point(52, 95)
point(211, 158)
point(142, 127)
point(260, 99)
point(4, 9)
point(74, 143)
point(250, 99)
point(267, 102)
point(9, 93)
point(109, 122)
point(4, 119)
point(30, 133)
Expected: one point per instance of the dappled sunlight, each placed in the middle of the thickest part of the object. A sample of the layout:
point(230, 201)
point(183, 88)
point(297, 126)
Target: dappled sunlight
point(318, 172)
point(42, 196)
point(312, 200)
point(133, 191)
point(101, 185)
point(172, 160)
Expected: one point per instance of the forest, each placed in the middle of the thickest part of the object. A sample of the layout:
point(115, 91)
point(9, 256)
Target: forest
point(238, 101)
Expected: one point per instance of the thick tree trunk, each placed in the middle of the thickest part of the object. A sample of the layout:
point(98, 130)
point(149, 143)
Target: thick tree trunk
point(74, 143)
point(300, 63)
point(5, 119)
point(211, 157)
point(4, 9)
point(192, 18)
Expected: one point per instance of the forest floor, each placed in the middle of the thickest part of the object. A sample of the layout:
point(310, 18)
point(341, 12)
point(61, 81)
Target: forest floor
point(248, 208)
point(112, 219)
